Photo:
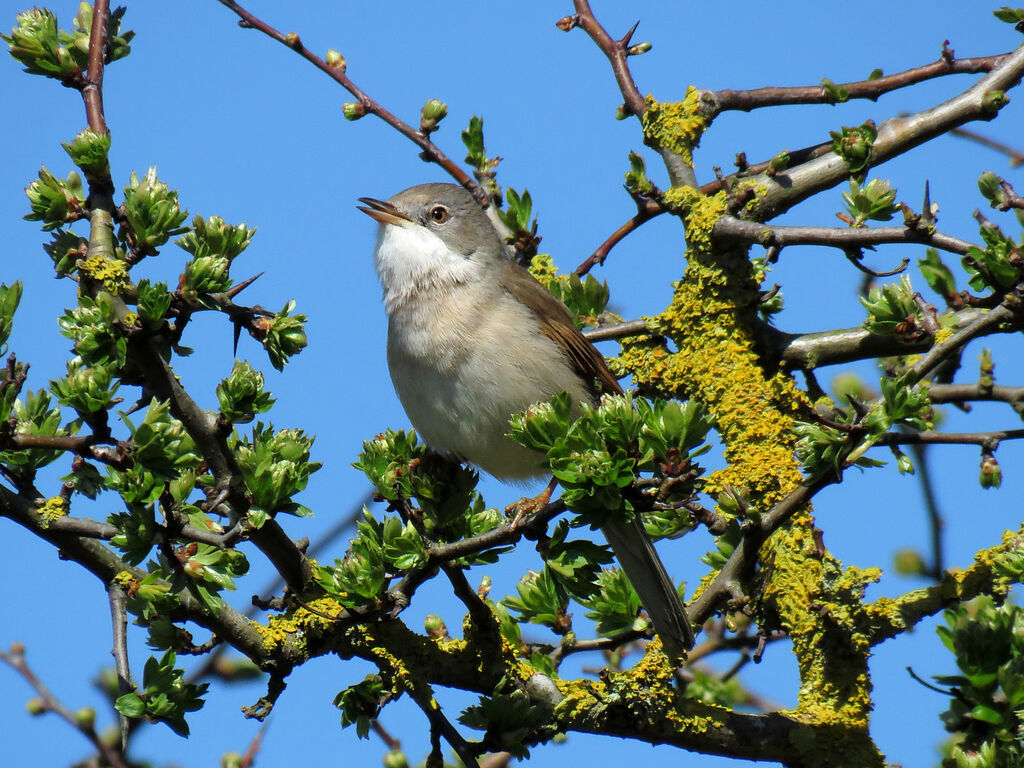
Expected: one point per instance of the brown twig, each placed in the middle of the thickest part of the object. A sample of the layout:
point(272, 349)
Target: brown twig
point(119, 623)
point(727, 583)
point(92, 91)
point(615, 51)
point(15, 658)
point(1016, 156)
point(337, 73)
point(991, 438)
point(732, 228)
point(756, 98)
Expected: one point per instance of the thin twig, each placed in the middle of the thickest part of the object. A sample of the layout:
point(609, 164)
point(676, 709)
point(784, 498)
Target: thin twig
point(772, 96)
point(119, 623)
point(732, 228)
point(337, 73)
point(15, 658)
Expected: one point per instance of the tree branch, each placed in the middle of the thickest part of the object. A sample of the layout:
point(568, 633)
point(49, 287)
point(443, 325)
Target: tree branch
point(756, 98)
point(337, 73)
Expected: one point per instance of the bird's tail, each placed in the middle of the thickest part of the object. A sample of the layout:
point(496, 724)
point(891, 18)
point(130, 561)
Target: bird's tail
point(638, 558)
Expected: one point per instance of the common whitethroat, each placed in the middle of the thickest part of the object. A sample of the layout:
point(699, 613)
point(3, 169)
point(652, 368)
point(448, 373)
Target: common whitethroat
point(473, 338)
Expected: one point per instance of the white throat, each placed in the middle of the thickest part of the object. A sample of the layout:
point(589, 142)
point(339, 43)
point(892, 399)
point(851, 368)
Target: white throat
point(411, 259)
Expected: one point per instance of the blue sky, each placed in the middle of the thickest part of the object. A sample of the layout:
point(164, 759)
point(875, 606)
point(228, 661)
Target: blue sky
point(248, 131)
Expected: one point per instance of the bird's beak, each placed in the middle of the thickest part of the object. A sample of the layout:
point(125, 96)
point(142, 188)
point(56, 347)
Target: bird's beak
point(383, 211)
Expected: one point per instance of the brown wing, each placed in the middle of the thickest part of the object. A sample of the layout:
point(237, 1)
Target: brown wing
point(556, 323)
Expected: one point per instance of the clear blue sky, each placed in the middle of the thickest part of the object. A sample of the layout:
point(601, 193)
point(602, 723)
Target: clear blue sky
point(248, 131)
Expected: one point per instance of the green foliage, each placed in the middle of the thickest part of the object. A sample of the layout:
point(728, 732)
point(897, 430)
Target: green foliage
point(360, 704)
point(206, 274)
point(34, 416)
point(160, 443)
point(359, 578)
point(938, 276)
point(275, 466)
point(875, 202)
point(725, 544)
point(165, 695)
point(89, 150)
point(834, 94)
point(539, 601)
point(91, 326)
point(65, 248)
point(637, 182)
point(214, 237)
point(153, 304)
point(152, 212)
point(241, 395)
point(1009, 15)
point(44, 49)
point(451, 508)
point(137, 531)
point(615, 607)
point(826, 449)
point(586, 298)
point(473, 139)
point(574, 566)
point(598, 455)
point(517, 217)
point(55, 201)
point(854, 144)
point(987, 710)
point(993, 190)
point(206, 570)
point(508, 720)
point(284, 335)
point(10, 297)
point(995, 267)
point(86, 389)
point(889, 306)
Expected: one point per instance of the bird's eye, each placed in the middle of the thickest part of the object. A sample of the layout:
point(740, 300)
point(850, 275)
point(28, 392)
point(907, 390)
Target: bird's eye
point(439, 214)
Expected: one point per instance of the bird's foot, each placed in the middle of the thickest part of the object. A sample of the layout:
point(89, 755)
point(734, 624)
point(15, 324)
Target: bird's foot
point(524, 507)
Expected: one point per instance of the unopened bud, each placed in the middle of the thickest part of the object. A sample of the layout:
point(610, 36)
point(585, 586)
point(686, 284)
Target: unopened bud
point(432, 113)
point(485, 587)
point(353, 110)
point(86, 718)
point(395, 758)
point(567, 22)
point(638, 49)
point(292, 40)
point(336, 60)
point(434, 626)
point(991, 474)
point(621, 113)
point(35, 706)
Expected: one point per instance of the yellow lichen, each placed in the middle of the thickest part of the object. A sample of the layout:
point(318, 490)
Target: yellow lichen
point(52, 509)
point(542, 267)
point(675, 126)
point(111, 272)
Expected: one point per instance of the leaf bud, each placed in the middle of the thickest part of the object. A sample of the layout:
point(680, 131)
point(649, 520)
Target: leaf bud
point(639, 49)
point(353, 110)
point(36, 706)
point(991, 474)
point(432, 113)
point(85, 718)
point(336, 60)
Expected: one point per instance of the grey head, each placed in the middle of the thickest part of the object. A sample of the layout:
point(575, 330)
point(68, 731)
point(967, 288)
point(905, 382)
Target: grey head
point(448, 211)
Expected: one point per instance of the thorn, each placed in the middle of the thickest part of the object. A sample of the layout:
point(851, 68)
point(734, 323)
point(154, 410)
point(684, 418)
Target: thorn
point(629, 35)
point(237, 289)
point(237, 335)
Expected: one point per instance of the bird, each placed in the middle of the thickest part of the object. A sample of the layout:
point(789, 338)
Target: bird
point(473, 338)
